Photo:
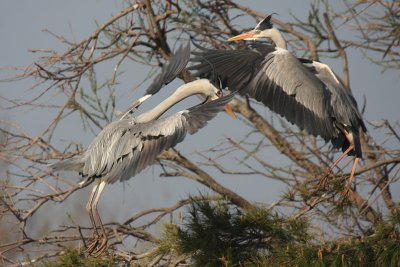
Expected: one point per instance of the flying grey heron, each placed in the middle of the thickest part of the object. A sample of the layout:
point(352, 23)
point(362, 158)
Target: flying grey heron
point(126, 146)
point(306, 93)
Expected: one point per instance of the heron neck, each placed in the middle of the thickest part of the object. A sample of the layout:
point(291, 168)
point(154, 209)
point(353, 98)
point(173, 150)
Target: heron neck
point(276, 37)
point(181, 93)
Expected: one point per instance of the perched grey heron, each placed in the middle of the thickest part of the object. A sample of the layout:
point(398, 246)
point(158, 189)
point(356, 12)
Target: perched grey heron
point(306, 93)
point(126, 146)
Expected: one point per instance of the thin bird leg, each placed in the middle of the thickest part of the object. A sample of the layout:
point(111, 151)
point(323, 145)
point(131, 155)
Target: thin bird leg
point(95, 235)
point(328, 171)
point(351, 146)
point(350, 181)
point(340, 158)
point(103, 244)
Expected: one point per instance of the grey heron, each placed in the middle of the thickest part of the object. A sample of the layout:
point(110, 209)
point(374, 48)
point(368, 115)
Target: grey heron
point(128, 145)
point(306, 93)
point(125, 147)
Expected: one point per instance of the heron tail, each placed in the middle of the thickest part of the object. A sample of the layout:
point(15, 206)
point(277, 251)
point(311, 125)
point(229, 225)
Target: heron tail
point(73, 164)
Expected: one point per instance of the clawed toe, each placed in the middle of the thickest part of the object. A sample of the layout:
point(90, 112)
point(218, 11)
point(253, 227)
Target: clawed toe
point(324, 179)
point(103, 246)
point(92, 210)
point(92, 245)
point(346, 191)
point(95, 244)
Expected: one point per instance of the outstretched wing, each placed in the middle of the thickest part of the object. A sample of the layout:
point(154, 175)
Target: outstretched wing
point(277, 79)
point(235, 69)
point(168, 73)
point(124, 148)
point(171, 69)
point(345, 110)
point(74, 164)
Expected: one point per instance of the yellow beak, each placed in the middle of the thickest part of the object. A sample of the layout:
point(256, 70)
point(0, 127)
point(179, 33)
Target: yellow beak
point(243, 36)
point(229, 111)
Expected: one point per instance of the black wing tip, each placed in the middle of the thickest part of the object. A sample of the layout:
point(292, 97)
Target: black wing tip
point(171, 69)
point(220, 102)
point(201, 48)
point(184, 49)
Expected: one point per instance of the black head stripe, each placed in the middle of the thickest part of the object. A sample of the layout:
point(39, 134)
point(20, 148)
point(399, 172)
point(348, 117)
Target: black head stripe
point(264, 24)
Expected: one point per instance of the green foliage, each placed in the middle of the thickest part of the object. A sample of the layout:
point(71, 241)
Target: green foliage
point(220, 235)
point(375, 251)
point(72, 258)
point(382, 248)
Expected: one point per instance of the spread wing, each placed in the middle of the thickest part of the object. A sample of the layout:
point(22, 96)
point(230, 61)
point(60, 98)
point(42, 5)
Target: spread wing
point(344, 106)
point(171, 69)
point(168, 73)
point(123, 148)
point(345, 109)
point(277, 79)
point(235, 69)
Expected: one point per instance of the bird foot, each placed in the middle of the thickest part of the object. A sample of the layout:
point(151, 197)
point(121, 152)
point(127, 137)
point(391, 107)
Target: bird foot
point(92, 245)
point(103, 246)
point(346, 191)
point(324, 180)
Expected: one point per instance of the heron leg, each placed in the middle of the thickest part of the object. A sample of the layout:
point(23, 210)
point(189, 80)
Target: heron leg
point(340, 158)
point(328, 171)
point(104, 239)
point(350, 181)
point(95, 235)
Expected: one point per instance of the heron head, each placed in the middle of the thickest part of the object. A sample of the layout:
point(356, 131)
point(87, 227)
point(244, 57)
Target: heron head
point(213, 93)
point(262, 30)
point(219, 94)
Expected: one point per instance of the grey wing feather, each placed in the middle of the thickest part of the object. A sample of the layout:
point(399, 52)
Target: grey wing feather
point(292, 91)
point(74, 164)
point(123, 148)
point(277, 79)
point(234, 68)
point(198, 116)
point(171, 69)
point(345, 106)
point(345, 109)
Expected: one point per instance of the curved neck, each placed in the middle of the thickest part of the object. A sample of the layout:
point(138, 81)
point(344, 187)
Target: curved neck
point(276, 37)
point(184, 91)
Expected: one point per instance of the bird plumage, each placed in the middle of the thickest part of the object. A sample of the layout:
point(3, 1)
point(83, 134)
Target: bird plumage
point(304, 95)
point(169, 72)
point(171, 69)
point(124, 148)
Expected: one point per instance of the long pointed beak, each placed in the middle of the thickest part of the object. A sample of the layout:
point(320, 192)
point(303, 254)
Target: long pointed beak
point(243, 36)
point(229, 111)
